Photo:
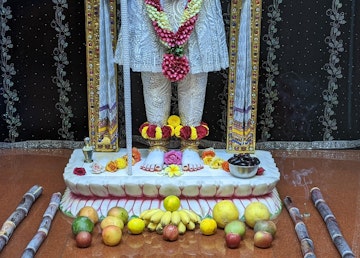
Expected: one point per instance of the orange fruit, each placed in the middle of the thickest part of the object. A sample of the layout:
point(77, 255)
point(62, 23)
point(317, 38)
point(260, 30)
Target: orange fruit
point(171, 203)
point(89, 212)
point(111, 235)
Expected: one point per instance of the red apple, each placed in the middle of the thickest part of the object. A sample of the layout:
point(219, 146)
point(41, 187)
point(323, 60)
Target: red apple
point(170, 232)
point(232, 240)
point(83, 239)
point(263, 239)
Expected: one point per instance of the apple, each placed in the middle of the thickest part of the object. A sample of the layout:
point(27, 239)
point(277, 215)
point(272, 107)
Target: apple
point(265, 225)
point(263, 239)
point(170, 233)
point(232, 240)
point(83, 239)
point(236, 226)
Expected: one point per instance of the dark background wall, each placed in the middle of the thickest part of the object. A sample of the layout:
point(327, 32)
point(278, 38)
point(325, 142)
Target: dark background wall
point(309, 76)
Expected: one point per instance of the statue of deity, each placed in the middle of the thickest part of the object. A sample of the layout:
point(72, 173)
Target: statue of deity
point(174, 42)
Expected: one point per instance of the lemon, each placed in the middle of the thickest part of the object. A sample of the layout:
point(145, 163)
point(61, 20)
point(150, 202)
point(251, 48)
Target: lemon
point(89, 212)
point(224, 212)
point(82, 223)
point(111, 235)
point(171, 203)
point(208, 226)
point(254, 212)
point(136, 226)
point(111, 220)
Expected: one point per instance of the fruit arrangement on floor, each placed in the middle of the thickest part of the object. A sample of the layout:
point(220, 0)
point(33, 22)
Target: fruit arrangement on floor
point(173, 221)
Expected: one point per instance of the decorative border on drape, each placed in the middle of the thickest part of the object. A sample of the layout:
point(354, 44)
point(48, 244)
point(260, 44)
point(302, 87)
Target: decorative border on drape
point(333, 69)
point(8, 70)
point(61, 61)
point(242, 91)
point(92, 25)
point(266, 120)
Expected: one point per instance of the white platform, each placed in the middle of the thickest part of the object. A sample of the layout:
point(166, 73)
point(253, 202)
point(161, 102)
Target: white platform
point(142, 190)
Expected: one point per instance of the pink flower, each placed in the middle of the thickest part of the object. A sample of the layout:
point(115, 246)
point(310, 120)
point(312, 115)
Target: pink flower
point(173, 157)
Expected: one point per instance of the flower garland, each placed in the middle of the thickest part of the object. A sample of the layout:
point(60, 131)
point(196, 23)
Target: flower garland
point(175, 65)
point(174, 127)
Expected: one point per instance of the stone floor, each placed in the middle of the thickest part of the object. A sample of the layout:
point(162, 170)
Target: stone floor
point(335, 172)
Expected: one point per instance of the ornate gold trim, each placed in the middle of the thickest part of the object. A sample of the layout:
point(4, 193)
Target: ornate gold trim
point(245, 141)
point(93, 70)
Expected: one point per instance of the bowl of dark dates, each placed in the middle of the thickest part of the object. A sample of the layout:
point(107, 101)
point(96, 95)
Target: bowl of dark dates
point(243, 165)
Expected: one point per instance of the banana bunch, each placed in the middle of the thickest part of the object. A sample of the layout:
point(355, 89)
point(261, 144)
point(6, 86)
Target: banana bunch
point(157, 219)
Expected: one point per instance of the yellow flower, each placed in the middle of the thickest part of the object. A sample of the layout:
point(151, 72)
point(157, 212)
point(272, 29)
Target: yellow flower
point(121, 163)
point(144, 132)
point(207, 160)
point(193, 135)
point(173, 170)
point(158, 133)
point(174, 121)
point(216, 163)
point(177, 130)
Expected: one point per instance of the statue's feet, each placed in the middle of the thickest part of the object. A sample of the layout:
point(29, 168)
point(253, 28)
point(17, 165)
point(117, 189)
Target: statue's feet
point(191, 161)
point(154, 162)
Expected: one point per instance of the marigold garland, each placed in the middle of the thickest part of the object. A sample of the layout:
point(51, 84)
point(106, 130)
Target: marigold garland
point(175, 65)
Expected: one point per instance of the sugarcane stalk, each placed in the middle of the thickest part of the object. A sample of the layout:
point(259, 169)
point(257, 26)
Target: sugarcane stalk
point(44, 227)
point(19, 214)
point(331, 223)
point(306, 244)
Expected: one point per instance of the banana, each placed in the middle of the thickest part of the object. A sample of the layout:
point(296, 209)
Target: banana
point(184, 216)
point(191, 225)
point(159, 229)
point(156, 217)
point(142, 214)
point(175, 218)
point(151, 226)
point(146, 222)
point(148, 215)
point(193, 216)
point(181, 228)
point(166, 218)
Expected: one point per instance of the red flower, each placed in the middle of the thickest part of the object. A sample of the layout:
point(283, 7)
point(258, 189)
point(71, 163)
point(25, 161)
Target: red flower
point(260, 171)
point(166, 131)
point(79, 171)
point(151, 131)
point(201, 131)
point(185, 132)
point(175, 68)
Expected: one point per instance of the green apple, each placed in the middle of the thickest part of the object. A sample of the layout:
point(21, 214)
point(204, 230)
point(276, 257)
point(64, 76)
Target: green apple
point(236, 226)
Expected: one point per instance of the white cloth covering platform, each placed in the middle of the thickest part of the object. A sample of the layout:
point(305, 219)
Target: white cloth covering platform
point(198, 191)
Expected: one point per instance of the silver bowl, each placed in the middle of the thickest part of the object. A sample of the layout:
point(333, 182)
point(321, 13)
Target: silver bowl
point(243, 171)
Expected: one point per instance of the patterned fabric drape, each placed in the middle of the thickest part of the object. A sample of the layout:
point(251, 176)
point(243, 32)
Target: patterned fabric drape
point(309, 77)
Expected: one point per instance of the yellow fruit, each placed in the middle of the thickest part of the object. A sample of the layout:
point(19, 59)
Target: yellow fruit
point(89, 212)
point(254, 212)
point(111, 235)
point(225, 211)
point(136, 226)
point(171, 203)
point(208, 226)
point(119, 212)
point(111, 220)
